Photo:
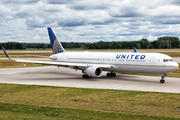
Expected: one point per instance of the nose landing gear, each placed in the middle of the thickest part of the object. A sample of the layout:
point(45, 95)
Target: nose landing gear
point(162, 78)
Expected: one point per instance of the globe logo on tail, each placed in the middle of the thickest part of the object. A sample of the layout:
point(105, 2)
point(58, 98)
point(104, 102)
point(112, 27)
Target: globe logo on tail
point(57, 47)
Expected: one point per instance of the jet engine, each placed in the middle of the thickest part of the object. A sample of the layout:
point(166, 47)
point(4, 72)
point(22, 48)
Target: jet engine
point(93, 71)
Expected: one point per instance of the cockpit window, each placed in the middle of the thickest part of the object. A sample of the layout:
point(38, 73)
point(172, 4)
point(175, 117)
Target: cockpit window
point(170, 60)
point(166, 60)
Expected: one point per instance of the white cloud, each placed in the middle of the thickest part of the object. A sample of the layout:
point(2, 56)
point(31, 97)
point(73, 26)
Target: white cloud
point(166, 10)
point(88, 20)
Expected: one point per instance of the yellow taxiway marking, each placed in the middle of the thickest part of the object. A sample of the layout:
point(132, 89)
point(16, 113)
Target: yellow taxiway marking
point(45, 75)
point(137, 84)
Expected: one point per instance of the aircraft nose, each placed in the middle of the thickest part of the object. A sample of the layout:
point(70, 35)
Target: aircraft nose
point(176, 65)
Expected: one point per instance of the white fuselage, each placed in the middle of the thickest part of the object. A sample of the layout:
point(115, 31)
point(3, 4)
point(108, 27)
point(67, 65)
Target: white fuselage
point(150, 63)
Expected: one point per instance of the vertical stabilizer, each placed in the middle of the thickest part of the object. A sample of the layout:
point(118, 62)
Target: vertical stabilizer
point(134, 49)
point(55, 44)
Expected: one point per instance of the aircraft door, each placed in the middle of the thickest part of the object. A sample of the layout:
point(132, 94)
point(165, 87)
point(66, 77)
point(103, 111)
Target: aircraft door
point(152, 61)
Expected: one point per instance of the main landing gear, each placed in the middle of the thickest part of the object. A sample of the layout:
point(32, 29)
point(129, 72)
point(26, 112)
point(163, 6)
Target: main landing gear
point(85, 76)
point(162, 78)
point(111, 74)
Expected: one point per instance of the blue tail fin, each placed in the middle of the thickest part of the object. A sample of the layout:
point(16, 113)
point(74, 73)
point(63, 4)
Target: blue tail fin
point(55, 44)
point(134, 49)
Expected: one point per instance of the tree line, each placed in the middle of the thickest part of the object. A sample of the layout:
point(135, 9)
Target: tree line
point(160, 43)
point(12, 45)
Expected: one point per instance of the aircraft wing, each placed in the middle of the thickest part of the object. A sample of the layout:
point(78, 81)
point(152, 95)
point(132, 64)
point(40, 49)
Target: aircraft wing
point(65, 64)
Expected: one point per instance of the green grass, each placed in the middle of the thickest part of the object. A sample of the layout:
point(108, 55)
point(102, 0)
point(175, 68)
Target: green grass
point(13, 64)
point(19, 111)
point(87, 103)
point(172, 54)
point(41, 49)
point(23, 55)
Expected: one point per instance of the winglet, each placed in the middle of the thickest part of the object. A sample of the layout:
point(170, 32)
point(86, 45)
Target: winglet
point(134, 49)
point(6, 53)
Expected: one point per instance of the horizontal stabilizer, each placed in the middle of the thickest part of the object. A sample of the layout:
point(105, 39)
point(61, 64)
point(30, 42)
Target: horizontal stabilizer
point(6, 53)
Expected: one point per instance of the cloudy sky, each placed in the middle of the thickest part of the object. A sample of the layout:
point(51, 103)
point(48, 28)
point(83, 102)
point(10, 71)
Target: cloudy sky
point(88, 20)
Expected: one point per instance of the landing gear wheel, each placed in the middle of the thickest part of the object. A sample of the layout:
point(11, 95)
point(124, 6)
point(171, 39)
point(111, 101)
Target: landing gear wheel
point(85, 76)
point(162, 81)
point(111, 74)
point(114, 74)
point(108, 74)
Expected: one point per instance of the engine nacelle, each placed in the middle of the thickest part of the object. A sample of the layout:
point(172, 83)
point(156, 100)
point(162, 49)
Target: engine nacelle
point(93, 71)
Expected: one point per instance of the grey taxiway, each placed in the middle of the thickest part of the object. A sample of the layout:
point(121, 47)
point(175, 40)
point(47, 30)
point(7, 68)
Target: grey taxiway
point(66, 77)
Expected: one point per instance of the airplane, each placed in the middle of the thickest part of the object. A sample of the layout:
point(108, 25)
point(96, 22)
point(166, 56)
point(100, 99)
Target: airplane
point(93, 63)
